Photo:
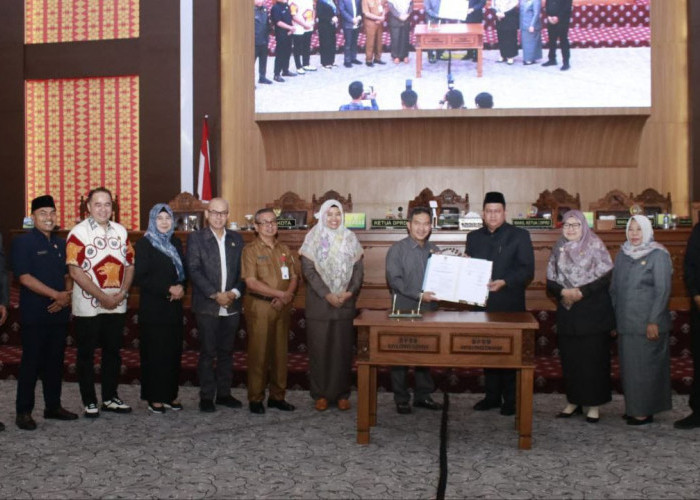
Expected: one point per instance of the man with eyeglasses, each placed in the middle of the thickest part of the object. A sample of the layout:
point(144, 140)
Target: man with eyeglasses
point(214, 267)
point(510, 250)
point(271, 280)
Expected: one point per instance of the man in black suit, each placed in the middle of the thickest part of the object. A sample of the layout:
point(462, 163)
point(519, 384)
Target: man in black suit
point(4, 296)
point(351, 13)
point(510, 250)
point(558, 17)
point(214, 268)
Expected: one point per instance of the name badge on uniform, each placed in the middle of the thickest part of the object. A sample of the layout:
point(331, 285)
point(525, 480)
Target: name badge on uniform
point(284, 268)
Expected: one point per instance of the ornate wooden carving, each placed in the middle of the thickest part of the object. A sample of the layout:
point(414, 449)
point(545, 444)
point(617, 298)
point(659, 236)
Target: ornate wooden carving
point(651, 199)
point(186, 202)
point(556, 203)
point(332, 195)
point(292, 202)
point(448, 198)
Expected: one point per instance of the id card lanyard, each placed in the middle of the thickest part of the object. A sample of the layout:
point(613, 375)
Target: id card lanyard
point(284, 268)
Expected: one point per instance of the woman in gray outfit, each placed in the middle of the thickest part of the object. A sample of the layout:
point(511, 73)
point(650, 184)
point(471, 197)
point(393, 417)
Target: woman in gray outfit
point(640, 291)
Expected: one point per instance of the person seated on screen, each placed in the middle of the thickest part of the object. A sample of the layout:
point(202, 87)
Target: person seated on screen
point(409, 99)
point(358, 94)
point(483, 100)
point(453, 100)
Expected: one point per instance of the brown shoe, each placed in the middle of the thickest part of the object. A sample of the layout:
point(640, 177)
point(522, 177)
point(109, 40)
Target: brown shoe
point(343, 404)
point(321, 404)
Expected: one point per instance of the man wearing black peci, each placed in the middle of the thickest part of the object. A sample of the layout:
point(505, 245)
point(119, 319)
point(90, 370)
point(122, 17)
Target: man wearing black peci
point(510, 250)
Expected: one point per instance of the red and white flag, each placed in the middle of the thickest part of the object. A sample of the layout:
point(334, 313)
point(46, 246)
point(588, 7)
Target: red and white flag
point(204, 177)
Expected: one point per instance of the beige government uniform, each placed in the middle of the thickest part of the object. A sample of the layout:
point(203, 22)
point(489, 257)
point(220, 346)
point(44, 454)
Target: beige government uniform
point(373, 30)
point(267, 329)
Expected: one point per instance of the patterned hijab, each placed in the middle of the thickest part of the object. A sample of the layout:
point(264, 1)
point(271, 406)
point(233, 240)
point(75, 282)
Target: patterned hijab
point(161, 241)
point(333, 251)
point(577, 263)
point(648, 244)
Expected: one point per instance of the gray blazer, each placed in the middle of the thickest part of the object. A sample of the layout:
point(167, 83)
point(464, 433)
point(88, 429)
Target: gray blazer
point(640, 291)
point(204, 269)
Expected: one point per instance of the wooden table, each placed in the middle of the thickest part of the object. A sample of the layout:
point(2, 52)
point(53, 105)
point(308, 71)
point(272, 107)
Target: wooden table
point(446, 339)
point(458, 36)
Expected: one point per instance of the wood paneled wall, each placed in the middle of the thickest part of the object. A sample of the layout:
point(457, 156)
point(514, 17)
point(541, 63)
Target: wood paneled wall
point(662, 157)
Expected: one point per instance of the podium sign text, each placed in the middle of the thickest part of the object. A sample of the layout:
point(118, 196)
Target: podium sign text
point(392, 342)
point(481, 344)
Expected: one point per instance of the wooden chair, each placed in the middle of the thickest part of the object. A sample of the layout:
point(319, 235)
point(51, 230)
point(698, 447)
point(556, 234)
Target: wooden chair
point(346, 203)
point(614, 203)
point(188, 212)
point(447, 199)
point(83, 210)
point(653, 202)
point(556, 203)
point(291, 205)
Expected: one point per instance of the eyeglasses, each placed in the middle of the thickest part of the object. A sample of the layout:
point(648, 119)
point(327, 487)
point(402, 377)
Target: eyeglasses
point(267, 223)
point(218, 214)
point(575, 225)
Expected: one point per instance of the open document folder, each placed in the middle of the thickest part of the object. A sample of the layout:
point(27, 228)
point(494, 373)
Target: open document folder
point(458, 279)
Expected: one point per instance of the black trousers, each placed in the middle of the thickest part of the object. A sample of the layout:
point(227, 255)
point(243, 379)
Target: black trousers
point(559, 32)
point(500, 386)
point(694, 400)
point(283, 52)
point(302, 49)
point(350, 47)
point(105, 331)
point(161, 352)
point(261, 56)
point(43, 348)
point(215, 367)
point(326, 42)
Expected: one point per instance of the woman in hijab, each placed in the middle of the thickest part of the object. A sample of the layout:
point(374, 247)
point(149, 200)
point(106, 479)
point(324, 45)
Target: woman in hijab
point(331, 261)
point(578, 275)
point(640, 290)
point(160, 276)
point(507, 23)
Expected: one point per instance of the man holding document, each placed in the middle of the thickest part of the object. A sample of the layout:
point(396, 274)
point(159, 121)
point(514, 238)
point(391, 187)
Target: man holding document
point(405, 269)
point(510, 250)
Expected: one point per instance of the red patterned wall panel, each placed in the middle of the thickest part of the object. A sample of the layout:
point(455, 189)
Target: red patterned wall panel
point(51, 21)
point(80, 134)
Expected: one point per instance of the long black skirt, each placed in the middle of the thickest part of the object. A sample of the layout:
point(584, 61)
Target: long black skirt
point(161, 353)
point(585, 360)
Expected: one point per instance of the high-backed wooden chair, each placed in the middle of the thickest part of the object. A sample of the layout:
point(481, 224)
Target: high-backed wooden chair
point(292, 206)
point(653, 202)
point(346, 203)
point(83, 210)
point(556, 203)
point(188, 212)
point(447, 199)
point(614, 203)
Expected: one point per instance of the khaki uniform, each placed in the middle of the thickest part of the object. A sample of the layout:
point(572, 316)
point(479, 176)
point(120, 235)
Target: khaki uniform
point(373, 30)
point(267, 328)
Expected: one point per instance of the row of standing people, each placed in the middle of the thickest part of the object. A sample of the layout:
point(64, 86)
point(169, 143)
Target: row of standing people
point(294, 20)
point(578, 273)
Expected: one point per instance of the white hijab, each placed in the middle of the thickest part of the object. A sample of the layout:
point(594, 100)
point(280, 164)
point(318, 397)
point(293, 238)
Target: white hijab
point(648, 244)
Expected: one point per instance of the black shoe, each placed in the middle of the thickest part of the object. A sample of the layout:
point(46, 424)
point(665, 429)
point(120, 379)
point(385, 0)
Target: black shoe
point(432, 59)
point(507, 410)
point(636, 421)
point(403, 408)
point(265, 81)
point(280, 404)
point(592, 420)
point(2, 427)
point(379, 61)
point(550, 63)
point(690, 422)
point(348, 65)
point(229, 401)
point(278, 79)
point(485, 404)
point(370, 64)
point(159, 410)
point(577, 411)
point(25, 422)
point(289, 73)
point(565, 66)
point(207, 406)
point(59, 413)
point(256, 407)
point(356, 61)
point(428, 404)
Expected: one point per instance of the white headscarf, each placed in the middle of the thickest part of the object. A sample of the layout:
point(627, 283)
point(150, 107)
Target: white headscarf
point(648, 244)
point(333, 251)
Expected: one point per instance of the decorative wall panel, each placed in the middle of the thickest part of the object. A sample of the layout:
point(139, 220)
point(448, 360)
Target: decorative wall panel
point(51, 21)
point(81, 134)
